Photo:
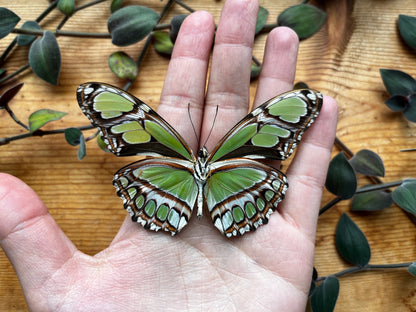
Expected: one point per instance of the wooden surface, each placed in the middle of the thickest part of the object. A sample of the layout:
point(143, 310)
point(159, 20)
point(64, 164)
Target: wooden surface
point(342, 60)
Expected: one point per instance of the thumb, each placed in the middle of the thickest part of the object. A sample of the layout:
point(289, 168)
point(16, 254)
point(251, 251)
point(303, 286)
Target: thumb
point(29, 236)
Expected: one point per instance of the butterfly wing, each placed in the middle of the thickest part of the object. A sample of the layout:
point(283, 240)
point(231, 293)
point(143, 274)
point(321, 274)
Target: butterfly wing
point(128, 125)
point(273, 129)
point(241, 194)
point(159, 193)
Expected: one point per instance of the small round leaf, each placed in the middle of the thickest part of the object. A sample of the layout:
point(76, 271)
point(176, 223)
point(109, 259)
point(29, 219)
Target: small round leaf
point(122, 65)
point(410, 111)
point(9, 94)
point(8, 20)
point(162, 43)
point(351, 242)
point(175, 25)
point(24, 40)
point(407, 28)
point(341, 179)
point(255, 71)
point(405, 196)
point(82, 149)
point(115, 5)
point(397, 103)
point(41, 117)
point(66, 6)
point(300, 85)
point(72, 136)
point(261, 18)
point(304, 19)
point(325, 295)
point(368, 163)
point(398, 82)
point(371, 201)
point(412, 268)
point(131, 24)
point(45, 58)
point(101, 144)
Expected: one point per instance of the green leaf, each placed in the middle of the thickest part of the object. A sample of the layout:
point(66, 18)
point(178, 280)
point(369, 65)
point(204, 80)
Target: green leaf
point(397, 103)
point(255, 71)
point(398, 82)
point(24, 40)
point(41, 117)
point(175, 25)
point(304, 19)
point(351, 242)
point(412, 268)
point(261, 19)
point(407, 28)
point(325, 295)
point(72, 136)
point(102, 145)
point(410, 111)
point(66, 6)
point(123, 66)
point(131, 24)
point(341, 179)
point(405, 196)
point(115, 5)
point(371, 201)
point(8, 20)
point(9, 94)
point(368, 163)
point(45, 58)
point(2, 71)
point(162, 42)
point(82, 149)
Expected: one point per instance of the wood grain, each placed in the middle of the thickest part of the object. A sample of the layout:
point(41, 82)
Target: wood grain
point(342, 60)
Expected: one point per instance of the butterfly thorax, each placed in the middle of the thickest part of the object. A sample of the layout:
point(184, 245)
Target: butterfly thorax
point(202, 169)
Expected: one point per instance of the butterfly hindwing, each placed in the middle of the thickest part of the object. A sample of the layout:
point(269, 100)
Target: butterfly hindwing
point(273, 129)
point(128, 125)
point(241, 194)
point(159, 193)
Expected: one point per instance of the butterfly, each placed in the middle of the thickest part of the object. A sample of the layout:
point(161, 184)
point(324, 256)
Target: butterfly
point(161, 191)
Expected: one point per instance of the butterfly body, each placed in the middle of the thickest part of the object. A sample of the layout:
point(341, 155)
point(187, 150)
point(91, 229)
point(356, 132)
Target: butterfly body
point(160, 192)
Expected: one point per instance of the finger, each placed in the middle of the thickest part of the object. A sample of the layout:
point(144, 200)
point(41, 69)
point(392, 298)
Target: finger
point(185, 83)
point(187, 73)
point(229, 81)
point(29, 236)
point(279, 64)
point(307, 172)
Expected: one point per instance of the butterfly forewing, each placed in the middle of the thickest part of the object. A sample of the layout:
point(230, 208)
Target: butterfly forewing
point(129, 126)
point(273, 129)
point(241, 194)
point(158, 193)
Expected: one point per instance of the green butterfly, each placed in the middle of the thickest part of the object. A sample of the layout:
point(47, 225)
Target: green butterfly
point(160, 192)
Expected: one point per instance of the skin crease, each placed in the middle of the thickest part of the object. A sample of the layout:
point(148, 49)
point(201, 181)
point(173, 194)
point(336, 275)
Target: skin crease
point(198, 270)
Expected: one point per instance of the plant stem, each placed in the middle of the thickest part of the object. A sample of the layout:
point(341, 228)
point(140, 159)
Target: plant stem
point(368, 267)
point(4, 141)
point(81, 7)
point(184, 6)
point(329, 205)
point(148, 41)
point(21, 69)
point(58, 32)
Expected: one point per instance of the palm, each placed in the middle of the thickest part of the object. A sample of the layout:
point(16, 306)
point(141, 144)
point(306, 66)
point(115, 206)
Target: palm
point(199, 269)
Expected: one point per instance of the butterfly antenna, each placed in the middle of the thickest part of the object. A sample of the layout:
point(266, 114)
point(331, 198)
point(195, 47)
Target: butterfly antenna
point(212, 127)
point(193, 127)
